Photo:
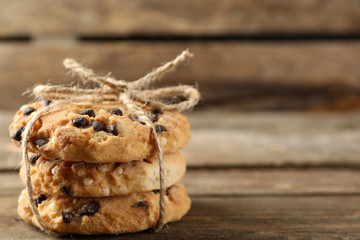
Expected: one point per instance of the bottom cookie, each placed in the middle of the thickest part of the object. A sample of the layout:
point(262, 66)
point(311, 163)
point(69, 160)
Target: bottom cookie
point(105, 215)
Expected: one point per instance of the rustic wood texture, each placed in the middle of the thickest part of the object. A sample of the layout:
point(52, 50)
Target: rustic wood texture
point(273, 139)
point(220, 69)
point(251, 175)
point(225, 139)
point(203, 17)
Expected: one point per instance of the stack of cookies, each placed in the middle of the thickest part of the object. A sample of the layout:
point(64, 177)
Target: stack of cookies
point(94, 167)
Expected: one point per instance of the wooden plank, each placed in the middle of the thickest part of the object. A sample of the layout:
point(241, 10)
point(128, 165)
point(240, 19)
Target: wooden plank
point(273, 139)
point(221, 69)
point(248, 182)
point(315, 217)
point(225, 139)
point(264, 182)
point(203, 17)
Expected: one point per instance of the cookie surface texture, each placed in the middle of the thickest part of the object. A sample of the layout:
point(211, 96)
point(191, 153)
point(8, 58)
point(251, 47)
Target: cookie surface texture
point(58, 177)
point(100, 132)
point(106, 215)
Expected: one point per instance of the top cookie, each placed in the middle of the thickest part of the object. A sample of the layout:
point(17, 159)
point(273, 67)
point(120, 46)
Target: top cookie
point(99, 132)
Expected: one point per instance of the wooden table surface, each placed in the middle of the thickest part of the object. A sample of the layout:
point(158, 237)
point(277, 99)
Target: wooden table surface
point(250, 176)
point(269, 174)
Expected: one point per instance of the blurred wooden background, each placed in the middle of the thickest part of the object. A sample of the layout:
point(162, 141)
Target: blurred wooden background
point(279, 120)
point(250, 55)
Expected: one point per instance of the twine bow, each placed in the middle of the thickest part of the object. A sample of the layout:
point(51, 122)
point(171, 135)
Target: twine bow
point(110, 89)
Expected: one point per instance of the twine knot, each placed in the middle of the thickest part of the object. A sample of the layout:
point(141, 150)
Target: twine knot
point(110, 89)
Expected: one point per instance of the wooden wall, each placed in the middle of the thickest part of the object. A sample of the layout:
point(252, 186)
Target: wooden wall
point(250, 55)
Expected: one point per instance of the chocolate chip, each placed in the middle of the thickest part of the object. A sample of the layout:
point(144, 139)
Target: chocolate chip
point(33, 159)
point(113, 129)
point(28, 111)
point(89, 208)
point(160, 128)
point(147, 161)
point(141, 204)
point(133, 117)
point(88, 112)
point(66, 190)
point(80, 122)
point(157, 111)
point(46, 102)
point(158, 191)
point(67, 217)
point(40, 142)
point(136, 119)
point(116, 111)
point(39, 199)
point(98, 126)
point(153, 117)
point(16, 135)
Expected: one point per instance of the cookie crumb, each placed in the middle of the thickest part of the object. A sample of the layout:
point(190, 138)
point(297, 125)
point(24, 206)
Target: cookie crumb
point(163, 141)
point(102, 167)
point(120, 171)
point(123, 189)
point(88, 181)
point(106, 192)
point(54, 170)
point(81, 173)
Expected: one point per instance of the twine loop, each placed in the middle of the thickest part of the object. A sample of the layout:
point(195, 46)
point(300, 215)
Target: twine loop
point(110, 89)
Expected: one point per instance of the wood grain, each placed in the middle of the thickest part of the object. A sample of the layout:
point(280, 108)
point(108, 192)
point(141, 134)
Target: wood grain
point(203, 17)
point(220, 69)
point(273, 139)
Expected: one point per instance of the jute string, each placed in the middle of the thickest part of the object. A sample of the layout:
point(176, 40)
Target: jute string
point(110, 89)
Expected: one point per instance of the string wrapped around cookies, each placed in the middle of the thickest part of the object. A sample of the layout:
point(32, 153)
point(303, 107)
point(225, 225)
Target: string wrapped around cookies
point(110, 89)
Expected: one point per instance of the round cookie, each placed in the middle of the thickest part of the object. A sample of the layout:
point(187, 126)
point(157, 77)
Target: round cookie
point(99, 132)
point(81, 179)
point(106, 215)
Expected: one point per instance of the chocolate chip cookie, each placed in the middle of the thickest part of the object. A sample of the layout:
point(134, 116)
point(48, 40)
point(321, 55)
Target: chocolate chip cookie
point(81, 179)
point(105, 215)
point(99, 132)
